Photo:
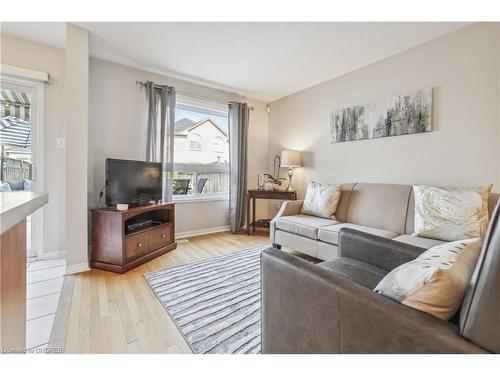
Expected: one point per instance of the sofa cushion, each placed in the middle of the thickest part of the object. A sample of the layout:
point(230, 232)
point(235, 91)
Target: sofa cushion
point(16, 185)
point(360, 272)
point(330, 233)
point(425, 243)
point(381, 206)
point(303, 225)
point(326, 251)
point(343, 206)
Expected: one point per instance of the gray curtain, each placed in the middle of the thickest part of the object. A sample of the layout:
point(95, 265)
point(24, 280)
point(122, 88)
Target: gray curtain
point(238, 139)
point(160, 131)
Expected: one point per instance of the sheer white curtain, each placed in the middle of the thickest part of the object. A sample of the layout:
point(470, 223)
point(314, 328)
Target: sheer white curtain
point(160, 102)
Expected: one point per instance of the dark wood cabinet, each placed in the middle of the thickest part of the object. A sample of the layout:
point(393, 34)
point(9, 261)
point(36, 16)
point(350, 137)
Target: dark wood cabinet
point(117, 248)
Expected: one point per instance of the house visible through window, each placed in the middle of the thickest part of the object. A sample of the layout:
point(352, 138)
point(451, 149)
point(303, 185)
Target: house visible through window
point(201, 149)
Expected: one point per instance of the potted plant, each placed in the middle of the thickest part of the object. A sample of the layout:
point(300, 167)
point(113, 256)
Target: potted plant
point(273, 183)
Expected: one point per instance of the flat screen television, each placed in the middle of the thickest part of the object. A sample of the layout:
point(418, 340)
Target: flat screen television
point(132, 182)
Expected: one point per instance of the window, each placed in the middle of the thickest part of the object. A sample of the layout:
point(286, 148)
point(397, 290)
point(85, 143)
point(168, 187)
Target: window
point(195, 142)
point(200, 170)
point(218, 145)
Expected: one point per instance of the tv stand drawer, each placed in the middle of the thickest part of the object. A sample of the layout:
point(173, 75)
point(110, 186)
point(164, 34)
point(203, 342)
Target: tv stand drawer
point(136, 246)
point(160, 237)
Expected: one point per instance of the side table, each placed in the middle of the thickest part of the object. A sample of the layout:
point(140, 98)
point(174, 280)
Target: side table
point(254, 194)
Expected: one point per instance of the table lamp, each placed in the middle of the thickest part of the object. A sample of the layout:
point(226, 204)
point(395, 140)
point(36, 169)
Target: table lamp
point(290, 159)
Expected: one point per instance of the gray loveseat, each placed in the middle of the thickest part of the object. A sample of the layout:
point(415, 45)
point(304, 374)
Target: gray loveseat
point(385, 210)
point(331, 307)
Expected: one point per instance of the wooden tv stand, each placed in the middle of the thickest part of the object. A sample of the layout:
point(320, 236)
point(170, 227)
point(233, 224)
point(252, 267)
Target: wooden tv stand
point(116, 249)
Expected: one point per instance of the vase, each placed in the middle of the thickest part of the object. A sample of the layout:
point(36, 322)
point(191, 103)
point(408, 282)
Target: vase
point(269, 186)
point(278, 187)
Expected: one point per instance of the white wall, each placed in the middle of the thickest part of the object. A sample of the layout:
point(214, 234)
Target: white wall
point(26, 54)
point(116, 130)
point(462, 150)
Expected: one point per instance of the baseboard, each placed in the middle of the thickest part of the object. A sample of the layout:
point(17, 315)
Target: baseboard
point(52, 255)
point(200, 232)
point(77, 268)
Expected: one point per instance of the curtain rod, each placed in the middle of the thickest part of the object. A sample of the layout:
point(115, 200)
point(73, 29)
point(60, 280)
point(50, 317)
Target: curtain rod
point(217, 100)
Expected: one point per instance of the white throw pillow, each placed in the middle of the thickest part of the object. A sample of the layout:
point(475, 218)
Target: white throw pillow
point(436, 281)
point(321, 200)
point(451, 214)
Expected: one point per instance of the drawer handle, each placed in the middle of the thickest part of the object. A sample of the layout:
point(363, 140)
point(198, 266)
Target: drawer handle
point(139, 244)
point(163, 236)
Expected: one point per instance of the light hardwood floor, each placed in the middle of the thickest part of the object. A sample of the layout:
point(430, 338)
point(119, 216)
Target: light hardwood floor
point(102, 312)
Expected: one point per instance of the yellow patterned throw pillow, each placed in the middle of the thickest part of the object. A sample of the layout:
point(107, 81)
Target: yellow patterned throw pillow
point(436, 281)
point(321, 200)
point(451, 214)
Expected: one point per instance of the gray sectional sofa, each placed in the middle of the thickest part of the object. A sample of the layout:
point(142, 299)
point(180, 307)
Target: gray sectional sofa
point(384, 210)
point(330, 307)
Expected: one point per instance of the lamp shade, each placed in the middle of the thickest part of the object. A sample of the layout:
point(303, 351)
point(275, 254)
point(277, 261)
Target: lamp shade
point(290, 159)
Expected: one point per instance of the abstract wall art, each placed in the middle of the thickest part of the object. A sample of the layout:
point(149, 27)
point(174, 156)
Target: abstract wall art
point(402, 114)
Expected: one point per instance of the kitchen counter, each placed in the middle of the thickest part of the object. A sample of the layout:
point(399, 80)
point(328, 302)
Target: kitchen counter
point(16, 206)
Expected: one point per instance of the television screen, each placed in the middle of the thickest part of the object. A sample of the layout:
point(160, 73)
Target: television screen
point(132, 182)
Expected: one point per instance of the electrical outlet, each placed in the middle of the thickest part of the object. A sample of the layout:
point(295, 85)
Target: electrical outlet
point(60, 143)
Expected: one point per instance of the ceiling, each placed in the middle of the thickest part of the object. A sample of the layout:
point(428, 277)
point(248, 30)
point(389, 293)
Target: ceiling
point(263, 60)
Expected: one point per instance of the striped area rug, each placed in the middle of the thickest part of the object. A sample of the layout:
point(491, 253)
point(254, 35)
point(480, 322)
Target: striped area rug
point(215, 302)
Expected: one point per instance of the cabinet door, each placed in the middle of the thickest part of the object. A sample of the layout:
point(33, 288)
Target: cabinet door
point(136, 246)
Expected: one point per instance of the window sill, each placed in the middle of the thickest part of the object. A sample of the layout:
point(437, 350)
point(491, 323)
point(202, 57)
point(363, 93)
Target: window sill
point(200, 198)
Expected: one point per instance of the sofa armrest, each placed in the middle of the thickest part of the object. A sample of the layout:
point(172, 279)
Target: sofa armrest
point(287, 208)
point(308, 309)
point(378, 251)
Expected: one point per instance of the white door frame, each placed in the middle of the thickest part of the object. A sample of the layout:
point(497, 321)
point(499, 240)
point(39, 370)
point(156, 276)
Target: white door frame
point(37, 90)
